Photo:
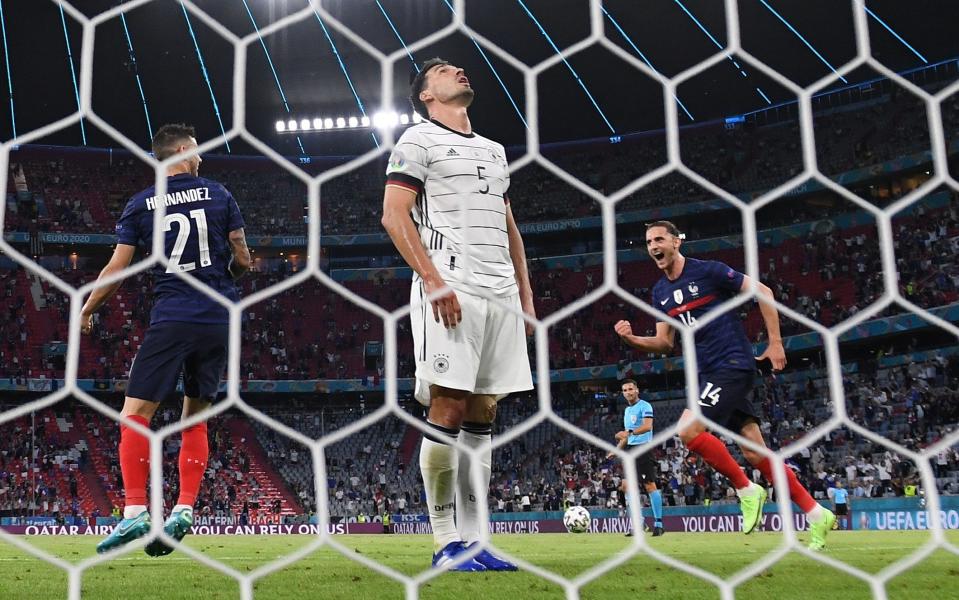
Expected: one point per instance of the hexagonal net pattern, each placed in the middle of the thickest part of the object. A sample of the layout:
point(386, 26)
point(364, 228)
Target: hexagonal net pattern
point(545, 413)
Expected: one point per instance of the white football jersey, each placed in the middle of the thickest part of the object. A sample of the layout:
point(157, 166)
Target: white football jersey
point(460, 211)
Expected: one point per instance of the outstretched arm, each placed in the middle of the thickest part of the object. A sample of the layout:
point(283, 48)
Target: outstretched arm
point(121, 259)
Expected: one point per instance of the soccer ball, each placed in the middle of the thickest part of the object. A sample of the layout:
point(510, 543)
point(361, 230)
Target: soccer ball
point(576, 519)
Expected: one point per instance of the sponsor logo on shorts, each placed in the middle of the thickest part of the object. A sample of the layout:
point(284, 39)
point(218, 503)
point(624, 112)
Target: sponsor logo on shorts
point(441, 363)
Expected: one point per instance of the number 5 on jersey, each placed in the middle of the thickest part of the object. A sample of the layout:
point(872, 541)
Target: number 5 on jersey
point(710, 395)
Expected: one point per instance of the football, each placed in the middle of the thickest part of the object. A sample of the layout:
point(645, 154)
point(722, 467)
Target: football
point(576, 519)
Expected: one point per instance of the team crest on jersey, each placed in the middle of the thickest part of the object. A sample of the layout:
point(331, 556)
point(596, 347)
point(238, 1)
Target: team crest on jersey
point(441, 363)
point(493, 154)
point(693, 289)
point(678, 296)
point(633, 419)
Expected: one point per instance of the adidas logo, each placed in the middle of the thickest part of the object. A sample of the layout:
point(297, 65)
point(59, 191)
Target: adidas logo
point(452, 152)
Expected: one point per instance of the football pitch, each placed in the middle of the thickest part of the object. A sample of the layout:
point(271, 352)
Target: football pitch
point(328, 574)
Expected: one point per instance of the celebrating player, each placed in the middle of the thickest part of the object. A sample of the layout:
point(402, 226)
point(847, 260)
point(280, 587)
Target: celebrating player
point(188, 329)
point(638, 430)
point(689, 289)
point(446, 210)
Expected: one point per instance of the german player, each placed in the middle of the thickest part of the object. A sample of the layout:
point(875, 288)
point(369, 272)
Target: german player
point(188, 330)
point(638, 430)
point(688, 290)
point(446, 209)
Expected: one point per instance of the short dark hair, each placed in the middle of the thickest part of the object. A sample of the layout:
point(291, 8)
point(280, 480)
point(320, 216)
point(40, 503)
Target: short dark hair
point(170, 137)
point(670, 228)
point(627, 381)
point(419, 81)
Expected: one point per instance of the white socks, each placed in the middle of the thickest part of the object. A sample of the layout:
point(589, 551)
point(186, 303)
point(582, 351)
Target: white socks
point(133, 511)
point(815, 514)
point(478, 436)
point(751, 490)
point(438, 466)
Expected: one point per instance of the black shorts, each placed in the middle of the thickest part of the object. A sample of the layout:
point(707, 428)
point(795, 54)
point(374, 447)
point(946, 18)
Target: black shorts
point(725, 397)
point(645, 467)
point(197, 350)
point(842, 510)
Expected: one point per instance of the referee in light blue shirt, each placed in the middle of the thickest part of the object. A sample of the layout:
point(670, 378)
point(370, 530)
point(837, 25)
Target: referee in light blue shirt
point(638, 430)
point(840, 499)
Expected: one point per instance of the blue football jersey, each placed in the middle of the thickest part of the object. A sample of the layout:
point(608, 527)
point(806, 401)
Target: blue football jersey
point(840, 495)
point(703, 285)
point(200, 214)
point(633, 419)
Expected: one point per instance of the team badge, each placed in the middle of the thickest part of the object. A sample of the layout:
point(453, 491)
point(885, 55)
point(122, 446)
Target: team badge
point(693, 289)
point(633, 419)
point(397, 161)
point(678, 296)
point(441, 364)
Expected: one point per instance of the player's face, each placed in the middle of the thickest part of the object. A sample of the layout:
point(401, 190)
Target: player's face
point(448, 84)
point(631, 393)
point(194, 161)
point(662, 246)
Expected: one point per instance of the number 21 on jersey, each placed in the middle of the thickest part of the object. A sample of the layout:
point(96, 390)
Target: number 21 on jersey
point(183, 235)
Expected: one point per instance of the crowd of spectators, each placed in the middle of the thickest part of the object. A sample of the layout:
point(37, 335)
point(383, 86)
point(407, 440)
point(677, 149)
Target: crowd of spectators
point(914, 404)
point(87, 194)
point(311, 332)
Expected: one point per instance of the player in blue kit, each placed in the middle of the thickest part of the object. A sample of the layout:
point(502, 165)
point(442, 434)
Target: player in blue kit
point(638, 430)
point(688, 290)
point(188, 331)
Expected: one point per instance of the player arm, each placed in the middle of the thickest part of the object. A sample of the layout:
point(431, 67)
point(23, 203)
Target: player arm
point(121, 259)
point(662, 343)
point(774, 351)
point(241, 261)
point(397, 203)
point(517, 253)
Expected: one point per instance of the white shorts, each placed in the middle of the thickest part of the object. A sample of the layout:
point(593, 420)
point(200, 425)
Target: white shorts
point(484, 354)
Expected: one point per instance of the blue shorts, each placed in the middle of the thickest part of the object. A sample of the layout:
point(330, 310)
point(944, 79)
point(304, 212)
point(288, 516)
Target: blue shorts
point(725, 397)
point(197, 350)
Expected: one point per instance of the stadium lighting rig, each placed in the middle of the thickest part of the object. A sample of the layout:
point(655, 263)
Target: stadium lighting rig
point(380, 120)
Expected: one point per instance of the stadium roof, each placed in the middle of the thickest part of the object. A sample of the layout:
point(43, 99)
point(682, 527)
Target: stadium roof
point(157, 48)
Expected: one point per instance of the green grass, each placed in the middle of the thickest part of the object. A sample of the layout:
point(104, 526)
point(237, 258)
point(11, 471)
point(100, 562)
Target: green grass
point(328, 574)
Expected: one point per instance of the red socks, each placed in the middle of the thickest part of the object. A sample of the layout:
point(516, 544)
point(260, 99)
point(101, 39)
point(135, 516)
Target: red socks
point(717, 455)
point(134, 462)
point(194, 452)
point(797, 492)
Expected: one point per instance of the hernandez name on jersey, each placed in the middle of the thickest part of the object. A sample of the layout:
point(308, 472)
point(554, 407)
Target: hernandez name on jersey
point(460, 182)
point(200, 214)
point(703, 285)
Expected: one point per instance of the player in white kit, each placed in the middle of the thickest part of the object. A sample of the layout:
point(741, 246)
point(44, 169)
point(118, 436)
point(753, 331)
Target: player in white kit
point(446, 210)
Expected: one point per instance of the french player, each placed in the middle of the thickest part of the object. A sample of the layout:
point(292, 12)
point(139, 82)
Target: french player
point(688, 290)
point(188, 332)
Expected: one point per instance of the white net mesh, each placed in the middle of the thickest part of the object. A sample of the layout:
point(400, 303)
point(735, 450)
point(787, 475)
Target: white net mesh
point(545, 413)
